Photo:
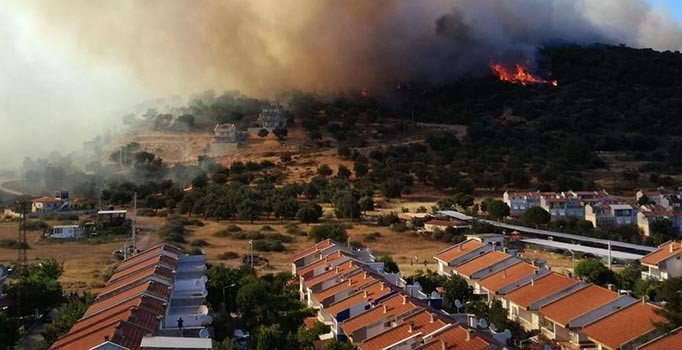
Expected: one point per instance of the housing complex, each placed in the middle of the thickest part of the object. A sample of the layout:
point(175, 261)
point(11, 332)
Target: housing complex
point(154, 300)
point(577, 314)
point(373, 309)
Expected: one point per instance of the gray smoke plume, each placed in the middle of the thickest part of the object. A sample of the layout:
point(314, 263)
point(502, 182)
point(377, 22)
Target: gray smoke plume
point(104, 53)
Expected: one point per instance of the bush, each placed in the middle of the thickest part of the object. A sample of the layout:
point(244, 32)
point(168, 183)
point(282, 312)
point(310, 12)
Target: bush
point(248, 235)
point(399, 227)
point(334, 232)
point(173, 231)
point(36, 225)
point(267, 245)
point(198, 243)
point(266, 228)
point(388, 219)
point(228, 256)
point(293, 229)
point(146, 212)
point(233, 228)
point(371, 237)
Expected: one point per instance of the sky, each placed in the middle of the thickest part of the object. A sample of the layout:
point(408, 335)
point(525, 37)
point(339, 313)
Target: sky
point(673, 7)
point(68, 76)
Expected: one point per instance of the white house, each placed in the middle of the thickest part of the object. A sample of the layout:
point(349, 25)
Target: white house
point(603, 214)
point(66, 231)
point(664, 263)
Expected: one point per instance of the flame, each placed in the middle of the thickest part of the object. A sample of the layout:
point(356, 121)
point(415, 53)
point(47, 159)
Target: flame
point(518, 75)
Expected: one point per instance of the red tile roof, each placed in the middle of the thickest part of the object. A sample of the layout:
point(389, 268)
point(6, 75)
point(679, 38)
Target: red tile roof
point(448, 223)
point(623, 326)
point(672, 340)
point(161, 260)
point(390, 308)
point(665, 251)
point(320, 262)
point(344, 269)
point(354, 281)
point(417, 325)
point(459, 250)
point(540, 288)
point(317, 247)
point(139, 277)
point(567, 308)
point(150, 288)
point(46, 200)
point(481, 262)
point(368, 293)
point(149, 254)
point(457, 338)
point(509, 275)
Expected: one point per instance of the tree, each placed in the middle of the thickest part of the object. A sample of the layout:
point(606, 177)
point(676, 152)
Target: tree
point(644, 200)
point(662, 230)
point(339, 345)
point(497, 209)
point(670, 291)
point(366, 203)
point(324, 170)
point(628, 277)
point(280, 133)
point(286, 208)
point(361, 169)
point(346, 205)
point(249, 209)
point(595, 271)
point(389, 265)
point(392, 187)
point(536, 216)
point(309, 213)
point(65, 316)
point(270, 338)
point(343, 172)
point(9, 331)
point(200, 181)
point(456, 288)
point(463, 200)
point(335, 232)
point(263, 132)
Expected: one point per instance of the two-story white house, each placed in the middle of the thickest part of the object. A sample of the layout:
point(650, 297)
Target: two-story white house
point(664, 263)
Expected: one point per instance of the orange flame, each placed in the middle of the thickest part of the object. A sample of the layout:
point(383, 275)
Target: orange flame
point(518, 75)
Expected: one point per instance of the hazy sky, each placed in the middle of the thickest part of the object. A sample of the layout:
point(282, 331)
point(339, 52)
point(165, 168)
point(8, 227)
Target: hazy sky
point(70, 68)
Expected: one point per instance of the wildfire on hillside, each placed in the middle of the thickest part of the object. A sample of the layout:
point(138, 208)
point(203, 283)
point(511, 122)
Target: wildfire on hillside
point(518, 74)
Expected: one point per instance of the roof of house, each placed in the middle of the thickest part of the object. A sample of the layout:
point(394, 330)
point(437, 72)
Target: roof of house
point(419, 325)
point(320, 262)
point(138, 277)
point(369, 292)
point(160, 260)
point(672, 340)
point(507, 276)
point(391, 307)
point(317, 247)
point(448, 223)
point(481, 262)
point(119, 332)
point(346, 268)
point(568, 307)
point(459, 250)
point(540, 288)
point(150, 288)
point(456, 337)
point(354, 281)
point(665, 251)
point(623, 326)
point(46, 200)
point(149, 254)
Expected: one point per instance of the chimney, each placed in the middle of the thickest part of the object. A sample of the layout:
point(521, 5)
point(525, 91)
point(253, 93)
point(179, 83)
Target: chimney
point(432, 318)
point(469, 331)
point(532, 281)
point(385, 308)
point(611, 287)
point(444, 345)
point(404, 299)
point(364, 275)
point(337, 269)
point(350, 282)
point(410, 327)
point(365, 294)
point(672, 247)
point(383, 285)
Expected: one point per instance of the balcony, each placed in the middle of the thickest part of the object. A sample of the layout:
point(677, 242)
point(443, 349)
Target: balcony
point(655, 275)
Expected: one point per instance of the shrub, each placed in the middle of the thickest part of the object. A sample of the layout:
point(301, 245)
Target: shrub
point(334, 232)
point(36, 225)
point(173, 231)
point(198, 243)
point(399, 227)
point(371, 237)
point(293, 229)
point(222, 233)
point(266, 228)
point(267, 245)
point(228, 256)
point(233, 228)
point(388, 219)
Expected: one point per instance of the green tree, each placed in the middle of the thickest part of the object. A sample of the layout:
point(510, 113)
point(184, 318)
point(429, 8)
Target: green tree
point(361, 169)
point(595, 271)
point(392, 187)
point(343, 172)
point(200, 181)
point(309, 213)
point(456, 288)
point(249, 209)
point(271, 338)
point(324, 170)
point(346, 205)
point(389, 265)
point(628, 277)
point(366, 203)
point(536, 216)
point(670, 291)
point(280, 133)
point(497, 209)
point(339, 345)
point(9, 331)
point(286, 208)
point(662, 230)
point(335, 232)
point(65, 316)
point(263, 132)
point(463, 200)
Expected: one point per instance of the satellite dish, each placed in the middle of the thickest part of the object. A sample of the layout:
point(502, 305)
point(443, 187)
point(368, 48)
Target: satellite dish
point(507, 333)
point(483, 323)
point(492, 327)
point(203, 333)
point(435, 295)
point(458, 303)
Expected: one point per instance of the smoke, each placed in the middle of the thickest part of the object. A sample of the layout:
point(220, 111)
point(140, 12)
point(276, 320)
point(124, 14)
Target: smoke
point(114, 52)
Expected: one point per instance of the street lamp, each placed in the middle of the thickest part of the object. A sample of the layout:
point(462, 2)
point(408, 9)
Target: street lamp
point(572, 261)
point(224, 298)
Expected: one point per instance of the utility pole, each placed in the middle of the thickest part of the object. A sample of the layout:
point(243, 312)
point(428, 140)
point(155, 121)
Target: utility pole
point(133, 223)
point(21, 262)
point(609, 255)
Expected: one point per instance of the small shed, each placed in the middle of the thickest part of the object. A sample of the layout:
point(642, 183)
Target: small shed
point(66, 231)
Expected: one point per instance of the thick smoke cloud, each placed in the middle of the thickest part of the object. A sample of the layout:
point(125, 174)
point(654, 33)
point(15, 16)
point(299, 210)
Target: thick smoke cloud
point(162, 47)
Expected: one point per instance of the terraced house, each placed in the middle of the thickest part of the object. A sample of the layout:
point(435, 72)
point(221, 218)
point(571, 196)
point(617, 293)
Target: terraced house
point(373, 309)
point(577, 314)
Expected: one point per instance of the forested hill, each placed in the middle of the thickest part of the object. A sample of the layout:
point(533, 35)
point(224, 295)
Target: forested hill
point(609, 98)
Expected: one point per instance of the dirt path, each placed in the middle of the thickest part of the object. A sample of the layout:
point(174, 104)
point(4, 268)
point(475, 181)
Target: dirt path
point(8, 190)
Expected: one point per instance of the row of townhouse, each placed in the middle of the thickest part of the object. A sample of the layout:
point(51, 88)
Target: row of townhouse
point(154, 300)
point(576, 314)
point(375, 310)
point(663, 204)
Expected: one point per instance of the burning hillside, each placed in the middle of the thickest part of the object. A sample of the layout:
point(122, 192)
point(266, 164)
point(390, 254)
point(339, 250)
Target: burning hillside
point(518, 74)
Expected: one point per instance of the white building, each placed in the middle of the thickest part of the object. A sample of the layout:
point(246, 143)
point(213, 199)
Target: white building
point(664, 263)
point(66, 231)
point(602, 215)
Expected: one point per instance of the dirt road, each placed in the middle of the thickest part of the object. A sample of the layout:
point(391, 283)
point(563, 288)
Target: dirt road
point(8, 190)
